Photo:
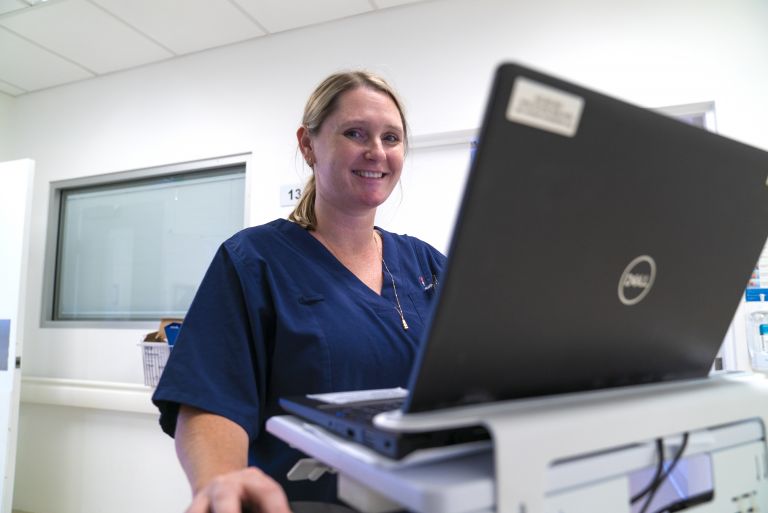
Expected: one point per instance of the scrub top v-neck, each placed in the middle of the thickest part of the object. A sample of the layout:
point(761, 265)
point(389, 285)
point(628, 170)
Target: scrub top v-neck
point(276, 315)
point(388, 298)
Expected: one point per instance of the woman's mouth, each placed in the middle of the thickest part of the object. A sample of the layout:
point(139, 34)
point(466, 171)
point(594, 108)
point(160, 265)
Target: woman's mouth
point(368, 174)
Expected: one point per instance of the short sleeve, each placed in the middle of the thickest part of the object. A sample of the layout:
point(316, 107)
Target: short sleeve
point(217, 363)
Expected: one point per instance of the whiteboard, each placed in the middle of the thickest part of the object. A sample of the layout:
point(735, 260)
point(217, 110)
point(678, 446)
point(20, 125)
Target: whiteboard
point(15, 207)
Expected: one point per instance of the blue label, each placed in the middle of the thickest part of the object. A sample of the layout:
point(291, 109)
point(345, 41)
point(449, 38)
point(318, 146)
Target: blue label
point(756, 294)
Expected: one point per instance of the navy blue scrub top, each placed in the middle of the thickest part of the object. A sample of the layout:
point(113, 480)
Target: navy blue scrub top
point(276, 315)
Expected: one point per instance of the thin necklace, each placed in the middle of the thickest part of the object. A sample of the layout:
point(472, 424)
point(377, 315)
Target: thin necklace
point(394, 287)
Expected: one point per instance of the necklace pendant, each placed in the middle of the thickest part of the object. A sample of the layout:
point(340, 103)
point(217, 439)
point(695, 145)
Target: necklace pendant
point(398, 307)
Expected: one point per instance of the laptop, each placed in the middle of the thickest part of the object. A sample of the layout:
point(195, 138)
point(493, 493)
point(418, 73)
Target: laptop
point(598, 245)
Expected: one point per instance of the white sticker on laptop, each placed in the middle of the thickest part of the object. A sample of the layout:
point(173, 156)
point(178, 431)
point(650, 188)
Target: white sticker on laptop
point(544, 107)
point(360, 395)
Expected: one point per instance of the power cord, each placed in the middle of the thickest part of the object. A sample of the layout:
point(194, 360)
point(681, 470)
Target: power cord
point(660, 475)
point(656, 475)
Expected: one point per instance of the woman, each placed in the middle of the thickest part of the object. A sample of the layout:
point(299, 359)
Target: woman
point(324, 301)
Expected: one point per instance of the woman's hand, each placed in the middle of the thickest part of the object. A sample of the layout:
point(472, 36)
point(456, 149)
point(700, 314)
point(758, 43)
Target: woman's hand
point(247, 489)
point(213, 451)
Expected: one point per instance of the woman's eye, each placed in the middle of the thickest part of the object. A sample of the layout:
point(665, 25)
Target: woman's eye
point(391, 138)
point(353, 134)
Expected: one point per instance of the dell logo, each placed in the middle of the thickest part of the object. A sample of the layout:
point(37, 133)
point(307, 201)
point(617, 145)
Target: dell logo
point(636, 280)
point(639, 281)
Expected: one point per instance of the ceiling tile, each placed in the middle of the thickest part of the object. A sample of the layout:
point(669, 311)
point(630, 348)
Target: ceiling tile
point(186, 26)
point(278, 15)
point(10, 89)
point(27, 66)
point(384, 4)
point(11, 5)
point(86, 34)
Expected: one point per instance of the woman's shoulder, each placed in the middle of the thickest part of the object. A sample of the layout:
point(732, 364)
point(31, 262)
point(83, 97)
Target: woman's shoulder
point(414, 244)
point(268, 230)
point(403, 238)
point(262, 240)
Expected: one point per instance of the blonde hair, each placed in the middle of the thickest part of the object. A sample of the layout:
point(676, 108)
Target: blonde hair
point(321, 104)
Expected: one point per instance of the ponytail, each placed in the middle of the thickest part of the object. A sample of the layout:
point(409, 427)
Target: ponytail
point(304, 212)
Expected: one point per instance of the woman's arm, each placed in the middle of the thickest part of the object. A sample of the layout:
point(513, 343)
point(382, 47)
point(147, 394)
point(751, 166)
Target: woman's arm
point(213, 452)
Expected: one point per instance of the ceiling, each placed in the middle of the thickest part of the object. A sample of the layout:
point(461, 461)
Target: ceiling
point(48, 43)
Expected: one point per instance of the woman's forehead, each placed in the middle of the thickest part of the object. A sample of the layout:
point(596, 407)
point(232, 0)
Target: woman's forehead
point(366, 104)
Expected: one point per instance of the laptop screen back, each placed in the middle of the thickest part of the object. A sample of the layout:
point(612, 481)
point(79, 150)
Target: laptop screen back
point(598, 244)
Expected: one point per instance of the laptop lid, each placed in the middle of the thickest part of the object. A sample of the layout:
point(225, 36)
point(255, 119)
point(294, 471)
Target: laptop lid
point(598, 244)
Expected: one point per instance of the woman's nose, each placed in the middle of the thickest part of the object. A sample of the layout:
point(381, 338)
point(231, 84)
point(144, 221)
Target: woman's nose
point(375, 150)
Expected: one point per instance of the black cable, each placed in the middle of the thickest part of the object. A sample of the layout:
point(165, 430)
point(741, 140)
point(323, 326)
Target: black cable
point(675, 460)
point(656, 475)
point(687, 502)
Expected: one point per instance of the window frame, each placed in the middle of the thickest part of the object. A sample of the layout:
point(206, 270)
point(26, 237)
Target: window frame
point(53, 228)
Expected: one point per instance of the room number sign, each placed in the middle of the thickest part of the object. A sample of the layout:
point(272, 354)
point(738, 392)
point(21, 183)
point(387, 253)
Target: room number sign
point(289, 195)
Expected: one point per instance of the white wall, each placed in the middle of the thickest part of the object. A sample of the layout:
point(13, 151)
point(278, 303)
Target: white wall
point(5, 126)
point(248, 98)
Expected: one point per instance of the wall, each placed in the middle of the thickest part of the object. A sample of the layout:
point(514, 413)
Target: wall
point(248, 98)
point(6, 103)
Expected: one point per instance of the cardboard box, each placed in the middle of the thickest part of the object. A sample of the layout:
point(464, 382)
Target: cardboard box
point(160, 335)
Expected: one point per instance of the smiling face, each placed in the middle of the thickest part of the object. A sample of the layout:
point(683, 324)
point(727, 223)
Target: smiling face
point(357, 152)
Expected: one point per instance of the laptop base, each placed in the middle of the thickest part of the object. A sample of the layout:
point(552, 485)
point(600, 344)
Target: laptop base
point(538, 447)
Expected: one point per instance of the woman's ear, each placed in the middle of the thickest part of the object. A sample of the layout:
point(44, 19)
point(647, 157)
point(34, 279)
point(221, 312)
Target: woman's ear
point(305, 141)
point(305, 144)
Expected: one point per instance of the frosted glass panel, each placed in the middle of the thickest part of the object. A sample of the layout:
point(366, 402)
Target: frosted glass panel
point(138, 250)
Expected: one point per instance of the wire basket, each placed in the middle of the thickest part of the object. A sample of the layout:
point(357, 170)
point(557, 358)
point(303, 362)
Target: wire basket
point(155, 356)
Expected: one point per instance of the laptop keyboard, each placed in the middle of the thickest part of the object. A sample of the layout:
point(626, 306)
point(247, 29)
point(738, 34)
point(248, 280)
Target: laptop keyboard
point(366, 411)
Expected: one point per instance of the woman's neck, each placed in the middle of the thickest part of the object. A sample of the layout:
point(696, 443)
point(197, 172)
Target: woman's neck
point(344, 232)
point(354, 243)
